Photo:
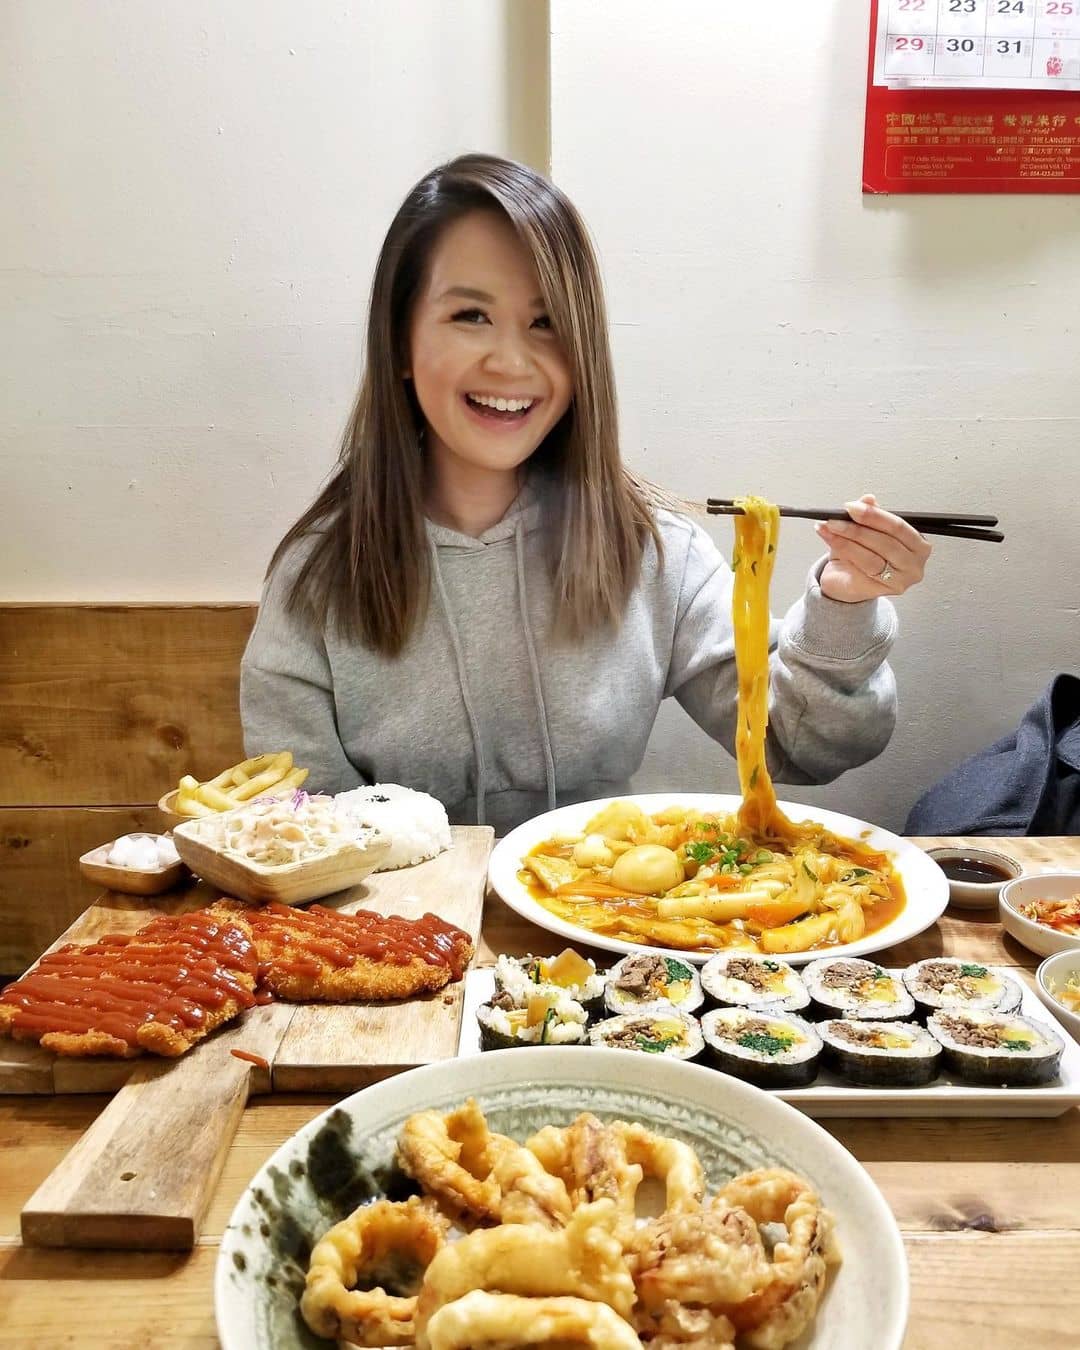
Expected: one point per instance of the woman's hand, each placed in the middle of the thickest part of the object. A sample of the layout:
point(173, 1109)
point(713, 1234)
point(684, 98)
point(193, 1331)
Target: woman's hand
point(875, 553)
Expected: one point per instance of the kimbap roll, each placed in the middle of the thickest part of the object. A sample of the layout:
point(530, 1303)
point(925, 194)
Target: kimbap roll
point(645, 979)
point(657, 1031)
point(963, 986)
point(846, 987)
point(995, 1048)
point(546, 1017)
point(569, 972)
point(741, 979)
point(880, 1054)
point(766, 1048)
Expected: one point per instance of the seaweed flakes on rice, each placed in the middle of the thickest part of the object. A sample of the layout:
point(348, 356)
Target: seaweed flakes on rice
point(660, 1030)
point(746, 980)
point(846, 987)
point(645, 979)
point(763, 1046)
point(997, 1049)
point(415, 822)
point(880, 1054)
point(546, 1016)
point(568, 973)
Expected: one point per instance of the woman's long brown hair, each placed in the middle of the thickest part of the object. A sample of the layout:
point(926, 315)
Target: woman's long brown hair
point(368, 568)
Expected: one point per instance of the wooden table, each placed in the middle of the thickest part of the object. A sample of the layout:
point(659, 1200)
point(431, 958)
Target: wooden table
point(989, 1208)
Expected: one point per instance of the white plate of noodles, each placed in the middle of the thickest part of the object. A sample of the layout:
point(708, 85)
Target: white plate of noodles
point(840, 1237)
point(849, 890)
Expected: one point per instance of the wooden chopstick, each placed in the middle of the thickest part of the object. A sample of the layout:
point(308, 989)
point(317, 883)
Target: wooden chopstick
point(946, 523)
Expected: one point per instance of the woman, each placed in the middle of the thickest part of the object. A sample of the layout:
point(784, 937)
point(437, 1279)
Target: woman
point(484, 603)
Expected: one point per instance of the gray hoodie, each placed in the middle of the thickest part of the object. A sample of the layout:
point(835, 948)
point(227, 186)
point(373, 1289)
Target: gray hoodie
point(489, 712)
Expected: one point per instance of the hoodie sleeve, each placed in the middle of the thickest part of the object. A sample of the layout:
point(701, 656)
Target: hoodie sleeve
point(832, 696)
point(286, 691)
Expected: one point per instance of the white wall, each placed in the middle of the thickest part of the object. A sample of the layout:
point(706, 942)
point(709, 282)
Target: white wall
point(195, 193)
point(777, 332)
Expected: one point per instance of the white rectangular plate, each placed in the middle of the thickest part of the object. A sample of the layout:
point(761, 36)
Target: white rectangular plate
point(829, 1095)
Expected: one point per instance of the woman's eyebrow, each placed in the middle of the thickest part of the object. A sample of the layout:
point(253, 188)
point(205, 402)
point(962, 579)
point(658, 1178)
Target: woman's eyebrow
point(470, 293)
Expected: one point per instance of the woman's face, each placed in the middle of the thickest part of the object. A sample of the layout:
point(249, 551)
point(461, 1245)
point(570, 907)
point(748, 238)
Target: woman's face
point(489, 372)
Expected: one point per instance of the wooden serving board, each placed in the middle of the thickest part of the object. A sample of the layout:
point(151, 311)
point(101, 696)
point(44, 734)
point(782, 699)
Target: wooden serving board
point(143, 1174)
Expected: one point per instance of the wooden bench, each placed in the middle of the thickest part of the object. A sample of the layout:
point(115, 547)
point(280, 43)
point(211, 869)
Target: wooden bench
point(102, 708)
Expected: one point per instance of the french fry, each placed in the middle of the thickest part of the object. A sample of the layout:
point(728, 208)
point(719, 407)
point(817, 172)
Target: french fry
point(262, 782)
point(187, 804)
point(214, 797)
point(247, 767)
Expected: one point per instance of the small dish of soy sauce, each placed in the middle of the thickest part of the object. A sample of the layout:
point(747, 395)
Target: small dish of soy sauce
point(976, 875)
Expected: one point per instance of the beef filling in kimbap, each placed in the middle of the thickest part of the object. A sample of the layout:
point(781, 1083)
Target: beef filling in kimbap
point(997, 1048)
point(661, 1031)
point(735, 979)
point(548, 1017)
point(940, 983)
point(848, 987)
point(772, 1050)
point(880, 1054)
point(643, 979)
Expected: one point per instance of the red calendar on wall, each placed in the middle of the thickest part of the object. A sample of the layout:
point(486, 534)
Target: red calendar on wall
point(973, 96)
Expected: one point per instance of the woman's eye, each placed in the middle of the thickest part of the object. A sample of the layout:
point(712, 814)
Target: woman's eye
point(542, 321)
point(470, 316)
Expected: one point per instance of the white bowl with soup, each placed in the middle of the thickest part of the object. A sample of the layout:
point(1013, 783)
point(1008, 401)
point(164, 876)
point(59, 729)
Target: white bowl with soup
point(1038, 912)
point(975, 875)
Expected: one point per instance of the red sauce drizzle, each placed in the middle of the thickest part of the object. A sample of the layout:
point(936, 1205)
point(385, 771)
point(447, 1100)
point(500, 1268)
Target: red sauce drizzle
point(174, 970)
point(300, 941)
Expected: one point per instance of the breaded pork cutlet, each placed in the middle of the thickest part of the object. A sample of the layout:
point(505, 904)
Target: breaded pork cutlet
point(321, 955)
point(160, 989)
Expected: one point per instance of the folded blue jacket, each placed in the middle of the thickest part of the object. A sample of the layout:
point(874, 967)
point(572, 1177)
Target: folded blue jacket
point(1026, 783)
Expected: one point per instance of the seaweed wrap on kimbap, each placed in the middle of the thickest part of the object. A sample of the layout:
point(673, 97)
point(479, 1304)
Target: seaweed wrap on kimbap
point(880, 1054)
point(746, 980)
point(646, 978)
point(845, 987)
point(769, 1049)
point(659, 1030)
point(964, 986)
point(569, 972)
point(997, 1049)
point(546, 1017)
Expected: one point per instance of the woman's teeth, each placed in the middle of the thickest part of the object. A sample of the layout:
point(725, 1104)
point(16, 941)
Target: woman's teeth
point(510, 405)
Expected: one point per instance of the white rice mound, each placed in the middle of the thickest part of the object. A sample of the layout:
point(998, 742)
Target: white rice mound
point(415, 822)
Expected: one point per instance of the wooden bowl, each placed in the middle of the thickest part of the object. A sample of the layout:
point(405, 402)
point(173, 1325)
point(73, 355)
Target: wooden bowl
point(130, 880)
point(167, 807)
point(289, 884)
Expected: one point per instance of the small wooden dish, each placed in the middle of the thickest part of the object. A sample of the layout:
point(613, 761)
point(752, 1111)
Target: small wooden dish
point(130, 880)
point(290, 883)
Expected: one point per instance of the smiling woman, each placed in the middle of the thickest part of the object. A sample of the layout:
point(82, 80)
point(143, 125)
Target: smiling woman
point(484, 602)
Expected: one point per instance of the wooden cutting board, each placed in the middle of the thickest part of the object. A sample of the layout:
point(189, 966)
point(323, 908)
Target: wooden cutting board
point(143, 1174)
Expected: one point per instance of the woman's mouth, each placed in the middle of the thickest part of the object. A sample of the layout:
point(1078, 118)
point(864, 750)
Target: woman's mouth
point(498, 408)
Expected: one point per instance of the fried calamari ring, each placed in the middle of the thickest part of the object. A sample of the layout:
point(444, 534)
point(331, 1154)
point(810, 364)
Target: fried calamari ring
point(529, 1193)
point(711, 1257)
point(670, 1161)
point(481, 1319)
point(453, 1157)
point(590, 1159)
point(582, 1260)
point(783, 1308)
point(380, 1244)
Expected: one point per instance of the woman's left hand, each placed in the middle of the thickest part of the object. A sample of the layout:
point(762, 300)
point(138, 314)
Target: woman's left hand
point(875, 553)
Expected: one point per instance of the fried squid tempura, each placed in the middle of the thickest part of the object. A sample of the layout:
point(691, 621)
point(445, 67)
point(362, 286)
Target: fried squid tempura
point(483, 1321)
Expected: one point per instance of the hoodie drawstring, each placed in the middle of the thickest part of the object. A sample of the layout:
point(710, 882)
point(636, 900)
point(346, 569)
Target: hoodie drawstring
point(463, 683)
point(534, 666)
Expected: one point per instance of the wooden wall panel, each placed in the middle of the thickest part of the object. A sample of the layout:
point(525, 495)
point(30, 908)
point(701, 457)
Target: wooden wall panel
point(107, 705)
point(41, 888)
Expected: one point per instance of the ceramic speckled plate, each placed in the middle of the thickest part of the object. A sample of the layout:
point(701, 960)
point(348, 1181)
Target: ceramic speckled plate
point(925, 884)
point(344, 1156)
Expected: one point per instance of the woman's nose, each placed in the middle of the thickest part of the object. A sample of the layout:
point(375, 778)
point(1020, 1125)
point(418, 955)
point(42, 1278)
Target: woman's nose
point(508, 353)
